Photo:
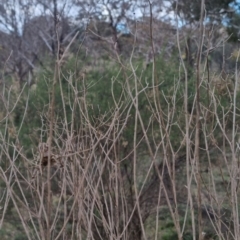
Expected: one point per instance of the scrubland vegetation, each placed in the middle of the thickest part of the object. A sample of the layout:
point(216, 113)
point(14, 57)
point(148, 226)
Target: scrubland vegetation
point(117, 126)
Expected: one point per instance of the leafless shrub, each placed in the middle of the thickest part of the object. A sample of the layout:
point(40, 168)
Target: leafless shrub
point(90, 180)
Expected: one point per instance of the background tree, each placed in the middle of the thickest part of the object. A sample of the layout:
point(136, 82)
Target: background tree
point(113, 13)
point(216, 11)
point(18, 50)
point(28, 36)
point(233, 27)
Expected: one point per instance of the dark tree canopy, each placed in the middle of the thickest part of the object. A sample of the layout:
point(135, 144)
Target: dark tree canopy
point(234, 27)
point(216, 10)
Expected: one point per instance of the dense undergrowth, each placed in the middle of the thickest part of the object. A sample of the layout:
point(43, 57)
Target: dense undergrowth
point(101, 107)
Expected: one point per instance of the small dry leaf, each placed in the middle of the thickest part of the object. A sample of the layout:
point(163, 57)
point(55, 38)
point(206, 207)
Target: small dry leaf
point(124, 143)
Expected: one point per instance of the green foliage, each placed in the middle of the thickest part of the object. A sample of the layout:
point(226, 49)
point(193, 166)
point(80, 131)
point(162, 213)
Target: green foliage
point(170, 234)
point(35, 104)
point(104, 89)
point(12, 230)
point(233, 27)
